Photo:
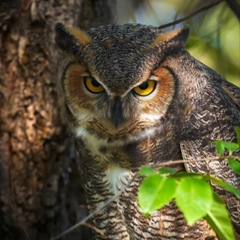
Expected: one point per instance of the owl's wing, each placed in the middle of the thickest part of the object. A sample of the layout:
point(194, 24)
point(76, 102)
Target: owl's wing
point(232, 91)
point(216, 115)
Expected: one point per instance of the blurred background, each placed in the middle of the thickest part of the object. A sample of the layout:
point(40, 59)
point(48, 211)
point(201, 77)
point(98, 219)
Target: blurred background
point(215, 33)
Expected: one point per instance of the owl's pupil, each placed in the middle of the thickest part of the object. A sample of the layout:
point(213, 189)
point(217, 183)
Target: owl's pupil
point(95, 83)
point(143, 86)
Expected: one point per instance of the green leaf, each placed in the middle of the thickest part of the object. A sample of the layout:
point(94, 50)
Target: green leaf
point(207, 177)
point(155, 192)
point(235, 165)
point(218, 218)
point(224, 185)
point(166, 171)
point(231, 146)
point(146, 171)
point(237, 130)
point(219, 147)
point(194, 198)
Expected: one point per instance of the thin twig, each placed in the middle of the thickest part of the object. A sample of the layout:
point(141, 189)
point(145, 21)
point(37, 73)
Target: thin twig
point(189, 16)
point(172, 162)
point(235, 7)
point(94, 229)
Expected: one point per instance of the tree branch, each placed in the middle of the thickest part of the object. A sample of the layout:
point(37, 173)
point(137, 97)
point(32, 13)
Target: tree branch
point(189, 16)
point(234, 5)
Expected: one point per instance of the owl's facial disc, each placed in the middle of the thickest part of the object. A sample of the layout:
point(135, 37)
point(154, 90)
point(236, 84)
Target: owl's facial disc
point(114, 112)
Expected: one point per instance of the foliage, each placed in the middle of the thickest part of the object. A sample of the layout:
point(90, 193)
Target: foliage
point(192, 192)
point(226, 149)
point(214, 38)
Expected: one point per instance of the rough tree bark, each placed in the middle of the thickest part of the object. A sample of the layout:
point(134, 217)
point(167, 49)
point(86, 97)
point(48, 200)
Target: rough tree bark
point(40, 195)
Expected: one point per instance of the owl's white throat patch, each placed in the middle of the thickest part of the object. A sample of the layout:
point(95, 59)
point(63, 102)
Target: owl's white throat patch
point(97, 142)
point(118, 178)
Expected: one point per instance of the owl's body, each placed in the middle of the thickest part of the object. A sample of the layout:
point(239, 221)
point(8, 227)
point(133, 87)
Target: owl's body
point(133, 96)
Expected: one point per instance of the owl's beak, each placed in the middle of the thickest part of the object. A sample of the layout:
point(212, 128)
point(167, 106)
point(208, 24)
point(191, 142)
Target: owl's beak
point(117, 113)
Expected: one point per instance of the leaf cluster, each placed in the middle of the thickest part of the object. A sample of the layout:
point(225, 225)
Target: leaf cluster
point(225, 150)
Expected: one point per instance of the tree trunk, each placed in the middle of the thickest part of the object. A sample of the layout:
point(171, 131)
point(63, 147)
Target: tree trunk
point(40, 193)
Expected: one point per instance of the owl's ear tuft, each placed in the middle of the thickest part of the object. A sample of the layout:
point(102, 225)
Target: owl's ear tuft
point(70, 38)
point(172, 41)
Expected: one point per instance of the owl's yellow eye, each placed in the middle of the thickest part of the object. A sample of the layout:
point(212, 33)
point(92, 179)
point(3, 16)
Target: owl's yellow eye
point(92, 85)
point(145, 88)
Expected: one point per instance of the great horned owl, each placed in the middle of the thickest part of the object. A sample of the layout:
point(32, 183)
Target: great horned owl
point(132, 95)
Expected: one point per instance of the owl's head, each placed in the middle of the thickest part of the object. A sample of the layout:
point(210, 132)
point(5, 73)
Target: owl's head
point(111, 80)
